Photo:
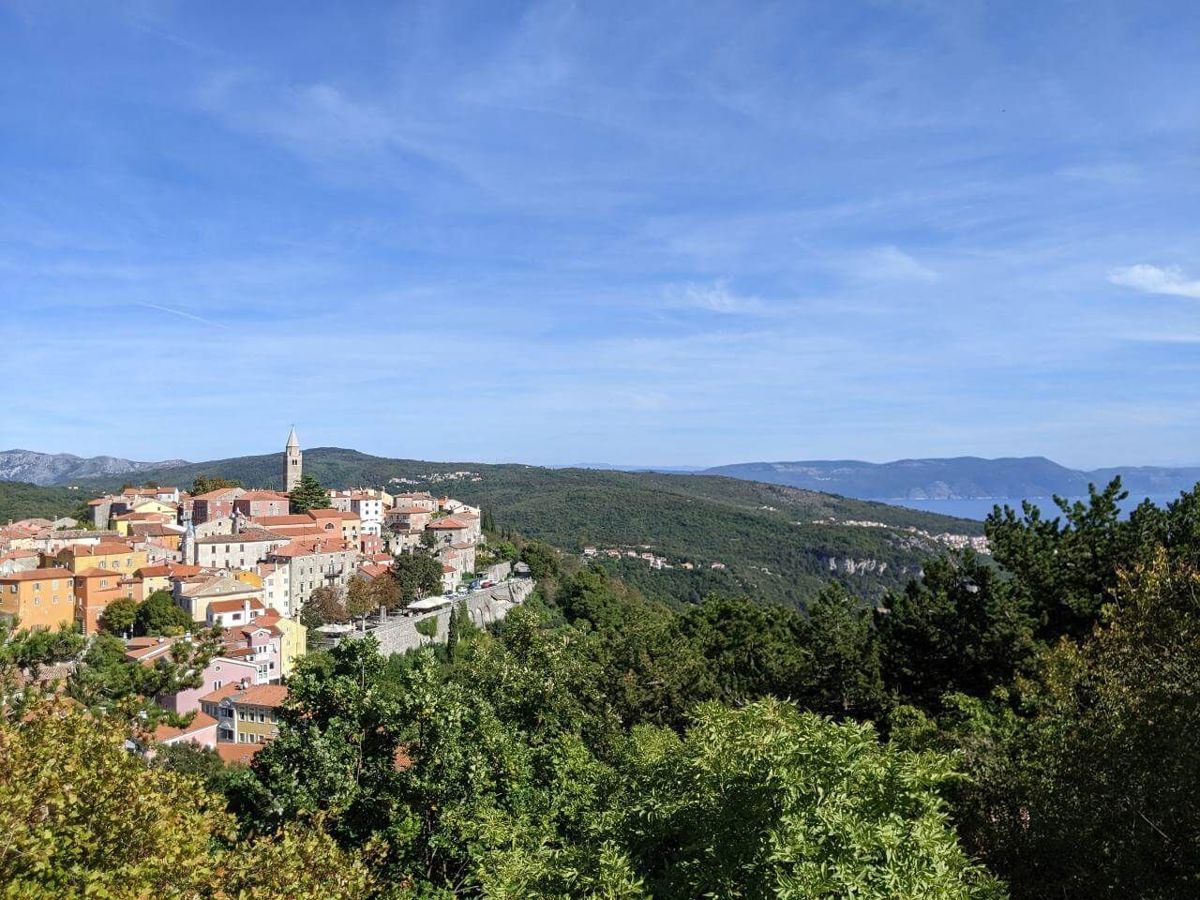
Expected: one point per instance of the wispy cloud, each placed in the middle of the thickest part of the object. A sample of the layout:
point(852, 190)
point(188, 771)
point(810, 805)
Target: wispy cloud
point(182, 314)
point(891, 264)
point(1155, 280)
point(715, 297)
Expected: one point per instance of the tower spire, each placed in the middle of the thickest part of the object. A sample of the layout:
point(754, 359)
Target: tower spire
point(293, 462)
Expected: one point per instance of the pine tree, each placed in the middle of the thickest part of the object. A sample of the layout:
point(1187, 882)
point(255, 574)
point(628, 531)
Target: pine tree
point(308, 494)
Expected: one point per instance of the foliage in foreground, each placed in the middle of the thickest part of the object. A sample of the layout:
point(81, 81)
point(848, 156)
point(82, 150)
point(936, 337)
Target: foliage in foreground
point(81, 816)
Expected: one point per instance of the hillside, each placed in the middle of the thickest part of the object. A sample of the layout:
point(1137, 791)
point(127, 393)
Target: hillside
point(778, 543)
point(960, 478)
point(66, 468)
point(32, 501)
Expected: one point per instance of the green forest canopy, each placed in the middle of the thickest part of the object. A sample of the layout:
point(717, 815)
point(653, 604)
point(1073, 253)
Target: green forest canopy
point(1025, 728)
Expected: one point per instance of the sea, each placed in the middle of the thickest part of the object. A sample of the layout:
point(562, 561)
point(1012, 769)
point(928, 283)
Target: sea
point(978, 508)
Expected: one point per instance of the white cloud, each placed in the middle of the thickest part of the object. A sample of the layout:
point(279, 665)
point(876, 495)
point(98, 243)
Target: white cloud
point(1156, 280)
point(714, 297)
point(892, 264)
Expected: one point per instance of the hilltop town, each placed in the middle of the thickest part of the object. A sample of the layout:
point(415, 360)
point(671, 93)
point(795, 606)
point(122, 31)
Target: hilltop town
point(271, 570)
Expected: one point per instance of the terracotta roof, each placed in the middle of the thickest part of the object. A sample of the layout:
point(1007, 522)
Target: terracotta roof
point(19, 554)
point(199, 722)
point(263, 695)
point(109, 549)
point(307, 546)
point(446, 570)
point(225, 690)
point(96, 572)
point(237, 753)
point(268, 521)
point(257, 695)
point(446, 524)
point(156, 529)
point(39, 575)
point(374, 570)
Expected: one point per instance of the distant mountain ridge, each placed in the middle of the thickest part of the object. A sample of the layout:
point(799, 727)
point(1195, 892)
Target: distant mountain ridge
point(63, 468)
point(957, 478)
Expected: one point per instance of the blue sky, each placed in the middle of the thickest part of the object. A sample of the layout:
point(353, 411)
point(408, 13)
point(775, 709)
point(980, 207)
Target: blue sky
point(689, 233)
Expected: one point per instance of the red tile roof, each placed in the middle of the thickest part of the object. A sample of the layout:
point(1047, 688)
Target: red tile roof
point(39, 575)
point(309, 545)
point(199, 722)
point(103, 549)
point(96, 572)
point(168, 570)
point(446, 524)
point(270, 695)
point(237, 753)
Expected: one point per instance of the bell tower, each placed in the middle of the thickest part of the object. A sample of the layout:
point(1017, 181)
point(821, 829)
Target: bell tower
point(293, 462)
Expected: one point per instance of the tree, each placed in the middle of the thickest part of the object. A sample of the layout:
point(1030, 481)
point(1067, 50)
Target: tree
point(417, 575)
point(1066, 569)
point(82, 816)
point(766, 801)
point(360, 597)
point(202, 484)
point(159, 614)
point(186, 758)
point(119, 616)
point(308, 494)
point(325, 606)
point(843, 674)
point(453, 627)
point(541, 558)
point(751, 650)
point(1091, 787)
point(963, 627)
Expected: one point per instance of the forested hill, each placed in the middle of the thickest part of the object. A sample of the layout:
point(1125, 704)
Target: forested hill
point(777, 543)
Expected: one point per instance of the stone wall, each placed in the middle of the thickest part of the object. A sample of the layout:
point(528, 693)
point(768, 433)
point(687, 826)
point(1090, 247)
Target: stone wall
point(398, 633)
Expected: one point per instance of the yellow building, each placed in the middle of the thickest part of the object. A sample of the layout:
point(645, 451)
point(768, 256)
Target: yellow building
point(245, 714)
point(294, 643)
point(251, 578)
point(114, 556)
point(39, 598)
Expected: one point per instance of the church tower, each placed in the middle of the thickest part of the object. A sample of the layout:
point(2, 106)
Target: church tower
point(293, 462)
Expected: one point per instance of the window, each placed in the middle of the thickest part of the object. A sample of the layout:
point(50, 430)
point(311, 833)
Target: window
point(37, 586)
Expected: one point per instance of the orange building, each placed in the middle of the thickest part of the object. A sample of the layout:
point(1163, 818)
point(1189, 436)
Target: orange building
point(39, 598)
point(96, 588)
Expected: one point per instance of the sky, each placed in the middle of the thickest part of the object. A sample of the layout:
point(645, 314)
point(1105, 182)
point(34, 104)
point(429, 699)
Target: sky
point(657, 233)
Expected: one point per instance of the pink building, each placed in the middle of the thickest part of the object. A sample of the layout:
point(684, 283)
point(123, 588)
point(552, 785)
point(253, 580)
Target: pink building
point(255, 504)
point(216, 504)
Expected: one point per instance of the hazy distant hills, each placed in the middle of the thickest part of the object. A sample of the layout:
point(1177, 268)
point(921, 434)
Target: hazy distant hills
point(66, 468)
point(959, 478)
